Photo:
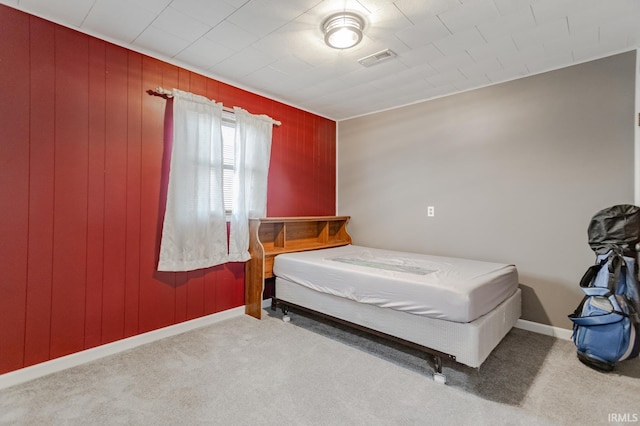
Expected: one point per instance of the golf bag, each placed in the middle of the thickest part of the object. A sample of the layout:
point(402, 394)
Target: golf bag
point(606, 325)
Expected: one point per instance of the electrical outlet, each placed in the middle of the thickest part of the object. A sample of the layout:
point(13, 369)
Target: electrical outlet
point(431, 211)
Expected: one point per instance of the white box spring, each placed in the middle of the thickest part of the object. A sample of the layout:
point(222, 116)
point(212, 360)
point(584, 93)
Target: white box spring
point(470, 343)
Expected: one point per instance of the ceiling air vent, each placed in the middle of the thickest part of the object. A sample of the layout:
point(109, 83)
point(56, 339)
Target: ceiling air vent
point(378, 57)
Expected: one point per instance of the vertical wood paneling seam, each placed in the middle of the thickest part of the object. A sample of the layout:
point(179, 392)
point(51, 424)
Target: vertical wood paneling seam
point(26, 263)
point(139, 248)
point(140, 165)
point(88, 179)
point(126, 211)
point(104, 195)
point(137, 227)
point(87, 231)
point(53, 186)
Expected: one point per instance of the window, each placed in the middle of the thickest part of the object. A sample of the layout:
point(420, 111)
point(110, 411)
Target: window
point(205, 176)
point(228, 154)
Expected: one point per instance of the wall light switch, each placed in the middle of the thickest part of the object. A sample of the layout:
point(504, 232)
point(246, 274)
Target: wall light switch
point(431, 211)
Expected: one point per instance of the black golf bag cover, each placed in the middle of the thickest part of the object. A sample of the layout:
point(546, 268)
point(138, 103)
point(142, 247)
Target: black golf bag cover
point(606, 326)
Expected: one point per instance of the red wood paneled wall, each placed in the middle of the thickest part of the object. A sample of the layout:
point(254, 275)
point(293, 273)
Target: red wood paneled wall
point(82, 181)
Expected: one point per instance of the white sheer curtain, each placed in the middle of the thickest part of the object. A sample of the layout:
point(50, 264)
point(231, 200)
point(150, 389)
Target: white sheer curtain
point(252, 154)
point(194, 234)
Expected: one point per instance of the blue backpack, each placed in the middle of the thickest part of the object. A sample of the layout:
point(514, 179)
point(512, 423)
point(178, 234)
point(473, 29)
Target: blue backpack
point(606, 325)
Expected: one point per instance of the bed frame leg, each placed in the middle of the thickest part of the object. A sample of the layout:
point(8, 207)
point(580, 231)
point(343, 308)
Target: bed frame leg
point(438, 377)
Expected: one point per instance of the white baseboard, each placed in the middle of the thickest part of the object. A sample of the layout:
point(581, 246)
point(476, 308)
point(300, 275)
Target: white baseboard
point(549, 330)
point(39, 370)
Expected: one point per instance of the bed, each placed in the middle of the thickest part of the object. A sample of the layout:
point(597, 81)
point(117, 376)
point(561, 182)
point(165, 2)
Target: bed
point(447, 307)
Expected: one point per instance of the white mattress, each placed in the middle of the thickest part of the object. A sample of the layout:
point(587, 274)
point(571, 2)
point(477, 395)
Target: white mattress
point(452, 289)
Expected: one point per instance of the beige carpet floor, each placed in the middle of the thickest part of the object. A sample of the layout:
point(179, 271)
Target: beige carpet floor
point(308, 372)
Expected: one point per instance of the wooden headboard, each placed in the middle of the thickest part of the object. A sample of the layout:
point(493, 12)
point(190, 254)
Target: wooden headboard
point(271, 236)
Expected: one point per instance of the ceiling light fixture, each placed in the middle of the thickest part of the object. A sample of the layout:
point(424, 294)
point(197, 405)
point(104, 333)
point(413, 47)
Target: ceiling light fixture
point(343, 30)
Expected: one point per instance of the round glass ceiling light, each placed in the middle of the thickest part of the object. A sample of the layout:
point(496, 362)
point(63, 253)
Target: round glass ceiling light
point(343, 30)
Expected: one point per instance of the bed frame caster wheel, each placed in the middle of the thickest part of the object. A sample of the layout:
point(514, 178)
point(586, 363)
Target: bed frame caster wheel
point(439, 378)
point(285, 313)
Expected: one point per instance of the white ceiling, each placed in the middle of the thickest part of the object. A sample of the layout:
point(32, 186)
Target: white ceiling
point(275, 47)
